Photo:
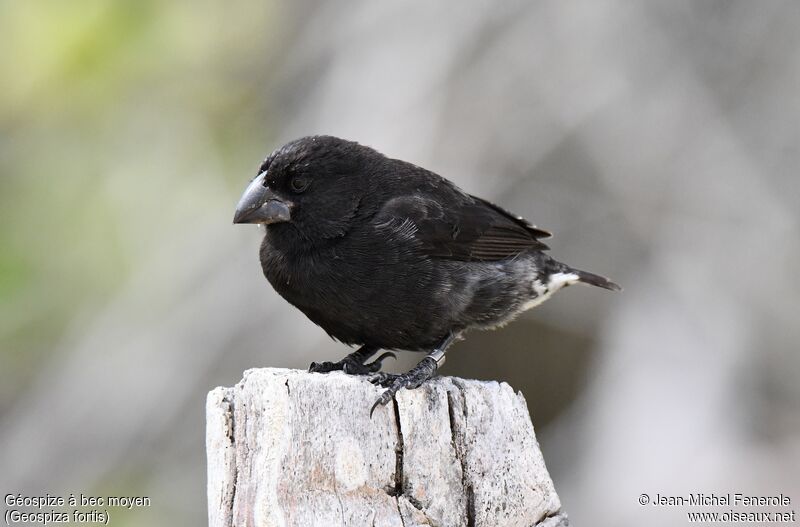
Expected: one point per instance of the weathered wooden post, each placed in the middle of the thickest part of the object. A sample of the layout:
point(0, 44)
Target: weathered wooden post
point(290, 448)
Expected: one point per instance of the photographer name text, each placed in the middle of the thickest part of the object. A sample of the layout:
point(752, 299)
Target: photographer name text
point(730, 499)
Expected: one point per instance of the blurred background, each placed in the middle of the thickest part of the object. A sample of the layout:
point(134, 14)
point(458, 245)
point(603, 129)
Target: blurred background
point(658, 140)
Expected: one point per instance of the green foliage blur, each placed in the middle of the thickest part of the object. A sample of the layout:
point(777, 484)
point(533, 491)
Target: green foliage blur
point(119, 119)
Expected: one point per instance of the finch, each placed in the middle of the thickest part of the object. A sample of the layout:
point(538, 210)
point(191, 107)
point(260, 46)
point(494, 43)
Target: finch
point(386, 255)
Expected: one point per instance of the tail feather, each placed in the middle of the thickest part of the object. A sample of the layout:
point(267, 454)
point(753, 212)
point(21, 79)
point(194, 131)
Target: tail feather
point(596, 280)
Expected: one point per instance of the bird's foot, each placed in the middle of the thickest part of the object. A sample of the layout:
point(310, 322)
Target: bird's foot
point(413, 378)
point(350, 365)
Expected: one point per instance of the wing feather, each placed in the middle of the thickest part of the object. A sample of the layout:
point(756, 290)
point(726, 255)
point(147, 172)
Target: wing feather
point(463, 227)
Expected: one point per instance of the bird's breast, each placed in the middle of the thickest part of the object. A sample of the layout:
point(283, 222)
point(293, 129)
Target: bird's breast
point(355, 293)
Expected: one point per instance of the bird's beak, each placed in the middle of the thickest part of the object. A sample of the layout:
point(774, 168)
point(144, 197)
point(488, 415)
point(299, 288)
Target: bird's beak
point(259, 204)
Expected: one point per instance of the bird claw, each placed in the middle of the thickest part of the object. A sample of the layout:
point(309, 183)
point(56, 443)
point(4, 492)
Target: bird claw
point(350, 365)
point(382, 400)
point(383, 379)
point(410, 380)
point(375, 365)
point(325, 367)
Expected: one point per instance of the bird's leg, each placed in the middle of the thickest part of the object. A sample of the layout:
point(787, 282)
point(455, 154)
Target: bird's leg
point(354, 362)
point(415, 377)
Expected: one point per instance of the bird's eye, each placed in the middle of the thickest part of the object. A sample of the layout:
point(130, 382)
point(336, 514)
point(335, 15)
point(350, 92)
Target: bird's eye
point(299, 183)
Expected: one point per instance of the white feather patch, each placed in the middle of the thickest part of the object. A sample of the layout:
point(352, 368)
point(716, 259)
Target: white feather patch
point(555, 282)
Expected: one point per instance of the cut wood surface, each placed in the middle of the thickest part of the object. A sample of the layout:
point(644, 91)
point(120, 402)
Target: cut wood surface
point(290, 448)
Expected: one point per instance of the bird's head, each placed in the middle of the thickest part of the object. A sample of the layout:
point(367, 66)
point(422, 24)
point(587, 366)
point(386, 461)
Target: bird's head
point(314, 184)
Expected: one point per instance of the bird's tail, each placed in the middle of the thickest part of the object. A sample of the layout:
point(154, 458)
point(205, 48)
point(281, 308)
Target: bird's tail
point(595, 279)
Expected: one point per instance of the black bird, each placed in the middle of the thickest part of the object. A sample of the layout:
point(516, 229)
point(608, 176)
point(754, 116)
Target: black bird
point(384, 254)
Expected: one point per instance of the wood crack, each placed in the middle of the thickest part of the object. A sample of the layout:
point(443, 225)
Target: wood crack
point(458, 450)
point(398, 467)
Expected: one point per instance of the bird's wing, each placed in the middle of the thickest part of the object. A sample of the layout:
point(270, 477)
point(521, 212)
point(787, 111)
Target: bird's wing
point(460, 227)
